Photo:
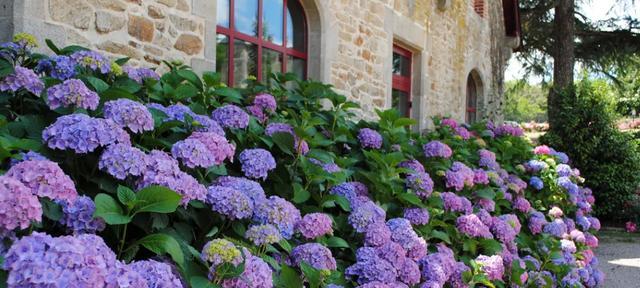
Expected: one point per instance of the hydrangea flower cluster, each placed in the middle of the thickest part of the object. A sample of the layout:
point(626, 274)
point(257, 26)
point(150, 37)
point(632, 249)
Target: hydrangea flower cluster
point(130, 114)
point(369, 138)
point(459, 176)
point(92, 60)
point(251, 188)
point(139, 74)
point(122, 161)
point(59, 67)
point(492, 266)
point(437, 149)
point(263, 234)
point(77, 216)
point(327, 167)
point(262, 105)
point(83, 134)
point(256, 163)
point(417, 216)
point(229, 202)
point(315, 255)
point(217, 150)
point(18, 206)
point(278, 212)
point(22, 78)
point(45, 179)
point(412, 164)
point(231, 116)
point(72, 93)
point(219, 251)
point(314, 225)
point(420, 183)
point(156, 274)
point(472, 226)
point(256, 273)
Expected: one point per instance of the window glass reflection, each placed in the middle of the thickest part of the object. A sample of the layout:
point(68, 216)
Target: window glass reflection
point(245, 56)
point(272, 21)
point(246, 16)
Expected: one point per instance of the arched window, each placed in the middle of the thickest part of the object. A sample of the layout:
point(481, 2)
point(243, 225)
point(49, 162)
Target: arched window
point(472, 99)
point(259, 37)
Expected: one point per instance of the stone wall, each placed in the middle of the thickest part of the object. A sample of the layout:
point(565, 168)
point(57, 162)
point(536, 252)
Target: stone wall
point(351, 42)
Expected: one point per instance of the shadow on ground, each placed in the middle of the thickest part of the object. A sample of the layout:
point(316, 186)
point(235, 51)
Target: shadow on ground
point(619, 255)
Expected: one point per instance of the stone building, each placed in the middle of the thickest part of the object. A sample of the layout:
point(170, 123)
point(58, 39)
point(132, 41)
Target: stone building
point(425, 57)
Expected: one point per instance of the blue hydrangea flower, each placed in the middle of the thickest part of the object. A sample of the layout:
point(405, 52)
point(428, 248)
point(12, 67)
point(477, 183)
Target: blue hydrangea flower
point(369, 138)
point(22, 78)
point(59, 67)
point(256, 163)
point(140, 74)
point(279, 212)
point(229, 202)
point(123, 160)
point(420, 183)
point(417, 216)
point(72, 93)
point(83, 134)
point(366, 214)
point(92, 60)
point(315, 255)
point(437, 149)
point(193, 153)
point(130, 114)
point(231, 116)
point(536, 183)
point(251, 188)
point(77, 216)
point(263, 234)
point(157, 274)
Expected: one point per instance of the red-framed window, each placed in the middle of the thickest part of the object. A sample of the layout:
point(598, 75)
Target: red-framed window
point(259, 37)
point(401, 82)
point(472, 100)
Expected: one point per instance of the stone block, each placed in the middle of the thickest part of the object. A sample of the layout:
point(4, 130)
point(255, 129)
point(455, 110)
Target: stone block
point(156, 12)
point(168, 3)
point(190, 44)
point(107, 21)
point(77, 13)
point(141, 28)
point(184, 24)
point(115, 5)
point(120, 49)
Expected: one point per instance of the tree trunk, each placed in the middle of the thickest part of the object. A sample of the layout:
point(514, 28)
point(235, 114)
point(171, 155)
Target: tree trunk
point(563, 57)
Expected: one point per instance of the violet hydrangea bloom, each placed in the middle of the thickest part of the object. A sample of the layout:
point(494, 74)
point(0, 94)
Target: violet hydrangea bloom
point(369, 138)
point(72, 93)
point(459, 176)
point(256, 163)
point(231, 116)
point(556, 228)
point(536, 183)
point(377, 234)
point(455, 203)
point(59, 67)
point(262, 105)
point(536, 222)
point(140, 74)
point(412, 164)
point(480, 177)
point(417, 216)
point(30, 155)
point(218, 146)
point(77, 216)
point(40, 260)
point(487, 159)
point(314, 225)
point(279, 212)
point(229, 202)
point(193, 153)
point(256, 274)
point(370, 268)
point(521, 204)
point(92, 60)
point(315, 255)
point(471, 226)
point(157, 274)
point(420, 183)
point(22, 78)
point(492, 266)
point(122, 160)
point(503, 230)
point(327, 167)
point(366, 214)
point(263, 234)
point(83, 134)
point(130, 114)
point(437, 149)
point(251, 188)
point(45, 179)
point(18, 206)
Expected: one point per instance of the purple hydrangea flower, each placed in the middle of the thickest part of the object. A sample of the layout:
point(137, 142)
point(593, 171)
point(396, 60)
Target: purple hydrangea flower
point(314, 225)
point(59, 67)
point(45, 179)
point(262, 105)
point(72, 93)
point(508, 130)
point(22, 78)
point(377, 234)
point(327, 167)
point(256, 274)
point(503, 230)
point(564, 170)
point(369, 138)
point(301, 146)
point(366, 214)
point(157, 274)
point(449, 122)
point(556, 228)
point(438, 267)
point(218, 146)
point(492, 266)
point(437, 149)
point(403, 234)
point(409, 272)
point(521, 204)
point(536, 222)
point(412, 164)
point(417, 216)
point(30, 155)
point(40, 260)
point(392, 252)
point(229, 202)
point(83, 134)
point(458, 176)
point(206, 124)
point(92, 60)
point(251, 188)
point(279, 212)
point(256, 163)
point(420, 183)
point(563, 157)
point(456, 279)
point(78, 216)
point(140, 74)
point(471, 226)
point(193, 153)
point(263, 234)
point(314, 254)
point(231, 116)
point(535, 166)
point(595, 223)
point(130, 114)
point(536, 183)
point(18, 206)
point(455, 203)
point(370, 268)
point(480, 177)
point(122, 160)
point(488, 159)
point(463, 133)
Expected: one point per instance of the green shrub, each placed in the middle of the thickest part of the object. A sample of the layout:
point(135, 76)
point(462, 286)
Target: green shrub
point(607, 158)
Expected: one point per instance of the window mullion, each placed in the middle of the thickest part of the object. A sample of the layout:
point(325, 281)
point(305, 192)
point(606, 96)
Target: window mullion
point(232, 40)
point(260, 40)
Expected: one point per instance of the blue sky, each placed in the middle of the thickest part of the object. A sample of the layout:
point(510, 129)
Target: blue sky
point(594, 9)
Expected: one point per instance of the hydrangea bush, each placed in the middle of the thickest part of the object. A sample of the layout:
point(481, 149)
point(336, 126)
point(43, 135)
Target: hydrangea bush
point(116, 176)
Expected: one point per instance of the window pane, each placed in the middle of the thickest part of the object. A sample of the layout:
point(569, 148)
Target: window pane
point(400, 101)
point(222, 57)
point(223, 13)
point(246, 16)
point(295, 26)
point(296, 66)
point(271, 63)
point(272, 21)
point(401, 65)
point(245, 55)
